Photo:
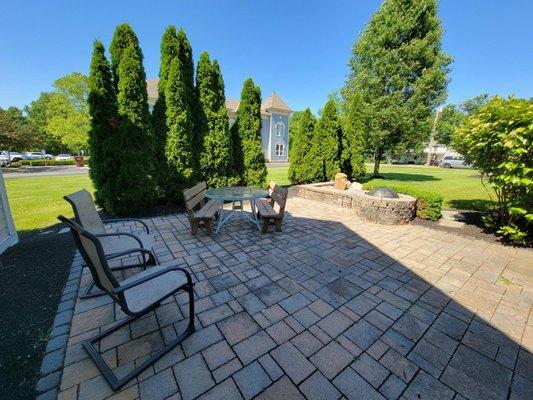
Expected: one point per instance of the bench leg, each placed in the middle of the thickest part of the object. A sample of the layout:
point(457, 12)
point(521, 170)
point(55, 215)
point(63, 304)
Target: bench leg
point(208, 227)
point(278, 221)
point(194, 227)
point(264, 227)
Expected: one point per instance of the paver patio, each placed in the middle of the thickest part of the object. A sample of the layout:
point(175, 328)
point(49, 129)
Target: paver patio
point(331, 307)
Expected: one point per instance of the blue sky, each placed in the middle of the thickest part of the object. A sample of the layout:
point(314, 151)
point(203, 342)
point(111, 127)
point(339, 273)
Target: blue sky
point(299, 49)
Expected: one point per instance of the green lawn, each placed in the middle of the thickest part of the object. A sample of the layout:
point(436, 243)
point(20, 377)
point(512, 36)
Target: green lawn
point(36, 202)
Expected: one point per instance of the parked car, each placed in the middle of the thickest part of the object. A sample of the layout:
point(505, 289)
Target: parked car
point(454, 161)
point(63, 157)
point(4, 160)
point(33, 155)
point(13, 155)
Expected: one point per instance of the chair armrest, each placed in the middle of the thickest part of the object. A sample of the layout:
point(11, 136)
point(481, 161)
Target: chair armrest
point(128, 286)
point(110, 221)
point(122, 234)
point(126, 252)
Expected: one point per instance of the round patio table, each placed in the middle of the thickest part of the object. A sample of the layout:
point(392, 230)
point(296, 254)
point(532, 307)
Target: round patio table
point(237, 195)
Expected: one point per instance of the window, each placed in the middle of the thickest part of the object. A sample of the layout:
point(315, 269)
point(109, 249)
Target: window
point(280, 149)
point(280, 129)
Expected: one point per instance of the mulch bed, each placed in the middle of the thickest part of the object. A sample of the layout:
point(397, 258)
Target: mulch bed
point(32, 276)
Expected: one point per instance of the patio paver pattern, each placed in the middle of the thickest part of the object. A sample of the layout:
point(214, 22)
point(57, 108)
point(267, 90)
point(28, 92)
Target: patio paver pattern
point(332, 307)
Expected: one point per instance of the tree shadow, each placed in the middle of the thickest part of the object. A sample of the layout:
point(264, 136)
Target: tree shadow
point(482, 205)
point(398, 176)
point(419, 308)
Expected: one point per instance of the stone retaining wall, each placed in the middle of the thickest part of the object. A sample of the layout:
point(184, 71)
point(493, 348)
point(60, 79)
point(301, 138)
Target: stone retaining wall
point(380, 210)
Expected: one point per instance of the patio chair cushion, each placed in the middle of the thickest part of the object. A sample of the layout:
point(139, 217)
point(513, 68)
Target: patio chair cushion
point(116, 244)
point(147, 293)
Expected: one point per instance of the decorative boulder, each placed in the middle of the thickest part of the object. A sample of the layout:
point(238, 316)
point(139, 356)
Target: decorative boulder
point(341, 181)
point(383, 192)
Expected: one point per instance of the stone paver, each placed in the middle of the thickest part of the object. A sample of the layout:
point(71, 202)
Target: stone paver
point(331, 307)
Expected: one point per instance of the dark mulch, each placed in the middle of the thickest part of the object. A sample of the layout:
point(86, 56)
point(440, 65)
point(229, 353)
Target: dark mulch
point(32, 276)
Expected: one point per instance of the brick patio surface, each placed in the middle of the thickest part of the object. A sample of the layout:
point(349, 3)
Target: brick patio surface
point(332, 307)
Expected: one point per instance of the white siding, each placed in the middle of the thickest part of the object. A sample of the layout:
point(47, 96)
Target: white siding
point(8, 234)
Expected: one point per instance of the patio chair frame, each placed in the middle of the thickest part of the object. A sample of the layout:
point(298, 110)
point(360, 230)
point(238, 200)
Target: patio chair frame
point(117, 294)
point(88, 293)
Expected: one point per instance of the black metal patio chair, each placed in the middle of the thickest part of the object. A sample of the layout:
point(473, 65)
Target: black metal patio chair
point(115, 244)
point(136, 296)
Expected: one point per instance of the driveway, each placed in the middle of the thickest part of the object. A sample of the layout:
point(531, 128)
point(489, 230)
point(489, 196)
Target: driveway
point(331, 307)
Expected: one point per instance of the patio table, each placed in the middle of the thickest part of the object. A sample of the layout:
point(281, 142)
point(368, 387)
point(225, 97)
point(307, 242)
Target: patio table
point(237, 195)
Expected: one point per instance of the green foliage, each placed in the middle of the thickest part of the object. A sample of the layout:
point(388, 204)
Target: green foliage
point(130, 188)
point(42, 163)
point(123, 38)
point(103, 112)
point(397, 65)
point(248, 137)
point(178, 150)
point(498, 140)
point(324, 157)
point(352, 144)
point(63, 114)
point(17, 132)
point(302, 139)
point(211, 125)
point(428, 205)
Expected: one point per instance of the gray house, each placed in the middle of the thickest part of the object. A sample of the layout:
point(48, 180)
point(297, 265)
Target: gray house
point(274, 117)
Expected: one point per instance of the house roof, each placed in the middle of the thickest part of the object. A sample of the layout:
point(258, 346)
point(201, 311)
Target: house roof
point(273, 102)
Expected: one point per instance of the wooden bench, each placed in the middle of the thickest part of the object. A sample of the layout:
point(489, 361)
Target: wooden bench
point(265, 207)
point(200, 211)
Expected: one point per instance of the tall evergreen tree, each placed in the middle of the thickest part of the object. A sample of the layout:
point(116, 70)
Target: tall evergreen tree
point(299, 169)
point(169, 52)
point(179, 150)
point(399, 68)
point(103, 112)
point(123, 37)
point(212, 124)
point(248, 127)
point(323, 158)
point(131, 188)
point(352, 143)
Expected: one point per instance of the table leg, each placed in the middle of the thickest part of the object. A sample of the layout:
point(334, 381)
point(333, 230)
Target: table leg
point(220, 216)
point(254, 213)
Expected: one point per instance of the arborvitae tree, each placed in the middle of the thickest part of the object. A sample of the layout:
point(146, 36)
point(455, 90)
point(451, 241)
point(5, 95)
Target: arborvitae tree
point(323, 158)
point(299, 170)
point(399, 68)
point(130, 187)
point(179, 148)
point(169, 52)
point(212, 125)
point(248, 126)
point(103, 111)
point(123, 37)
point(352, 143)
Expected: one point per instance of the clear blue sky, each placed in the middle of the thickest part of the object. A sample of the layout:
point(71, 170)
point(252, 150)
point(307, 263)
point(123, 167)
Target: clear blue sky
point(299, 49)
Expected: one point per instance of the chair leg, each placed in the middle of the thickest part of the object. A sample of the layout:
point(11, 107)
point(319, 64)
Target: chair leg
point(208, 227)
point(264, 227)
point(194, 227)
point(108, 374)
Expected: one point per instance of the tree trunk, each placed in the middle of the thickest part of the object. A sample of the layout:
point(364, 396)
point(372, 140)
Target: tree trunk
point(377, 161)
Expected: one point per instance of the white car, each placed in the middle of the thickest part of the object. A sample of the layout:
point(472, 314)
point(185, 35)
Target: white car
point(13, 155)
point(454, 161)
point(63, 157)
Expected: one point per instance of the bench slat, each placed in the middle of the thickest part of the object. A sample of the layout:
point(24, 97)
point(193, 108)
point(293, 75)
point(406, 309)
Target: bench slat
point(266, 210)
point(208, 210)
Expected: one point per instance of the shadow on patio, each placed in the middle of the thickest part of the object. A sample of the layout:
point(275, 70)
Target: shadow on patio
point(330, 307)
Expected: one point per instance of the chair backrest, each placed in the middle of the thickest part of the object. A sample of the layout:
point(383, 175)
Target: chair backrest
point(194, 196)
point(85, 211)
point(93, 253)
point(278, 195)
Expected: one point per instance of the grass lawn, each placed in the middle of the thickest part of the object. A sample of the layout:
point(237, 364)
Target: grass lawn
point(36, 202)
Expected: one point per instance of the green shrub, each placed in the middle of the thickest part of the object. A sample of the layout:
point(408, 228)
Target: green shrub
point(42, 163)
point(428, 205)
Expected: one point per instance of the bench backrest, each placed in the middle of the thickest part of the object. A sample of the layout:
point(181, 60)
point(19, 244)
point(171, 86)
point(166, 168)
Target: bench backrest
point(194, 197)
point(278, 195)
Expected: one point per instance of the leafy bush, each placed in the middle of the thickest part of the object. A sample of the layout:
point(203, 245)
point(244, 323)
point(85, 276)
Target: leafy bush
point(498, 140)
point(42, 163)
point(428, 205)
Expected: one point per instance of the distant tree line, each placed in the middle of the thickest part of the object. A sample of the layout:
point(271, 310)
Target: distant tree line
point(140, 158)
